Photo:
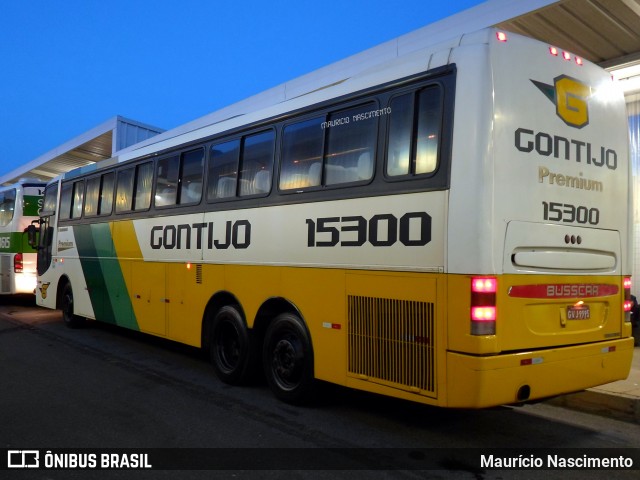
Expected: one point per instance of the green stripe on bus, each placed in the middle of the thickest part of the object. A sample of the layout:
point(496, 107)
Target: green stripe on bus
point(14, 242)
point(103, 275)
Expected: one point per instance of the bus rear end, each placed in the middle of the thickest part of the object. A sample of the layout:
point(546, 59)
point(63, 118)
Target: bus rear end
point(539, 295)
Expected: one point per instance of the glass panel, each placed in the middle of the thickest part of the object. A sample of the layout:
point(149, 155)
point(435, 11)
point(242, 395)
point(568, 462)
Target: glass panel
point(302, 154)
point(124, 195)
point(191, 178)
point(65, 201)
point(428, 135)
point(50, 199)
point(167, 181)
point(223, 170)
point(350, 145)
point(78, 196)
point(256, 164)
point(106, 195)
point(144, 179)
point(400, 130)
point(7, 206)
point(92, 197)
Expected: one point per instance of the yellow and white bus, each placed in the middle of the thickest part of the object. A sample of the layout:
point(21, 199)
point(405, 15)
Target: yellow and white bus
point(448, 225)
point(20, 205)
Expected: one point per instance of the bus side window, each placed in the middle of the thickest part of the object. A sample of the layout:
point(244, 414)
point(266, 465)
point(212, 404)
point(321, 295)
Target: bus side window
point(106, 194)
point(167, 181)
point(414, 132)
point(223, 170)
point(191, 176)
point(124, 192)
point(78, 197)
point(92, 197)
point(256, 163)
point(65, 201)
point(301, 150)
point(144, 179)
point(351, 145)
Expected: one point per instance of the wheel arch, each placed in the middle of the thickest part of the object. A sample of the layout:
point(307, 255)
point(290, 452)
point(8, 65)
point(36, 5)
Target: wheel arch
point(62, 282)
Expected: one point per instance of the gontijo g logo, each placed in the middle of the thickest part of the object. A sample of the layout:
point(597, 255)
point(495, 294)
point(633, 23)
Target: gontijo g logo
point(570, 98)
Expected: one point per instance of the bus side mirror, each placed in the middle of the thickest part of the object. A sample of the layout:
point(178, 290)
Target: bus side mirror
point(32, 236)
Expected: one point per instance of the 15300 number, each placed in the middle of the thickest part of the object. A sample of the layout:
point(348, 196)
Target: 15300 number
point(567, 213)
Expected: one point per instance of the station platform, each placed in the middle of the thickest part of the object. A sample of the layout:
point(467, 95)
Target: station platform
point(620, 400)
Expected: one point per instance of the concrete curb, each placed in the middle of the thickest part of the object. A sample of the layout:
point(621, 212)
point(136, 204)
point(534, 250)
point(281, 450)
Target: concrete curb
point(619, 406)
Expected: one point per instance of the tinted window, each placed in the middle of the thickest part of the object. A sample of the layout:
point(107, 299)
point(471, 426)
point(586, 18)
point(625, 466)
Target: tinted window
point(7, 206)
point(223, 170)
point(106, 194)
point(256, 163)
point(167, 181)
point(144, 179)
point(414, 133)
point(50, 199)
point(351, 140)
point(124, 192)
point(191, 176)
point(99, 195)
point(92, 197)
point(301, 164)
point(65, 201)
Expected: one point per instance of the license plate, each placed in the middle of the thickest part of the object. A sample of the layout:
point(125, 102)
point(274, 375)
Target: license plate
point(581, 312)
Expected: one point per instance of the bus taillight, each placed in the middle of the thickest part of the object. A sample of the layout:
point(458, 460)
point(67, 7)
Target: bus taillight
point(483, 305)
point(628, 303)
point(18, 266)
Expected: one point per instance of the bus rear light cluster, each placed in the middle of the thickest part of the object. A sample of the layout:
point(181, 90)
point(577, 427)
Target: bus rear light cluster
point(483, 305)
point(628, 303)
point(18, 263)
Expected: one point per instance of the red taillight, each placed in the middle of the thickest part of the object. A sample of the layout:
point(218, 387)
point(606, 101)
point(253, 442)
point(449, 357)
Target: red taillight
point(483, 305)
point(579, 61)
point(501, 36)
point(553, 51)
point(566, 56)
point(628, 303)
point(18, 265)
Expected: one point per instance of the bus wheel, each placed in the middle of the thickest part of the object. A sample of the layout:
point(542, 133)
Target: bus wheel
point(66, 304)
point(288, 359)
point(230, 346)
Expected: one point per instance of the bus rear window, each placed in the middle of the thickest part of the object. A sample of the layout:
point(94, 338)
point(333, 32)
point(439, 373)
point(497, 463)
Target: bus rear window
point(7, 206)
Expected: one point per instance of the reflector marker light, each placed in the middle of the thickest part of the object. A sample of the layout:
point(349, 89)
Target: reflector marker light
point(502, 37)
point(553, 51)
point(628, 303)
point(578, 60)
point(566, 56)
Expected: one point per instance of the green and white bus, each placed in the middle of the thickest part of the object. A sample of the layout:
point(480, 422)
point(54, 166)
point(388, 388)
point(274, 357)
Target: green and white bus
point(20, 205)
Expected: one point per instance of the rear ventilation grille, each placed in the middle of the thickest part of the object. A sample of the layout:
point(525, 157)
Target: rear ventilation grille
point(199, 273)
point(392, 342)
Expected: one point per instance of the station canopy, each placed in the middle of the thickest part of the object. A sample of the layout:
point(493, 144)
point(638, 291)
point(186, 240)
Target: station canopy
point(606, 32)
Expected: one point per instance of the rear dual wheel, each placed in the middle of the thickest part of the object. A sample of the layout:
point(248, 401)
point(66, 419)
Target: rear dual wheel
point(288, 359)
point(231, 346)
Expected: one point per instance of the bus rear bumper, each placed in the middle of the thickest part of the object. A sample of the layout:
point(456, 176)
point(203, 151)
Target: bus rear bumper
point(476, 382)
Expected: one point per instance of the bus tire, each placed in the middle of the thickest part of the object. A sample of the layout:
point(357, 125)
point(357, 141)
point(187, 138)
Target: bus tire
point(66, 305)
point(231, 347)
point(288, 359)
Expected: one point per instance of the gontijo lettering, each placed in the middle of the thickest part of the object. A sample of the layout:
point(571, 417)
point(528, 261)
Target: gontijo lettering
point(236, 234)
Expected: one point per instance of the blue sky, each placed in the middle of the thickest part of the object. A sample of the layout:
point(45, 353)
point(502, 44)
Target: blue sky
point(66, 67)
